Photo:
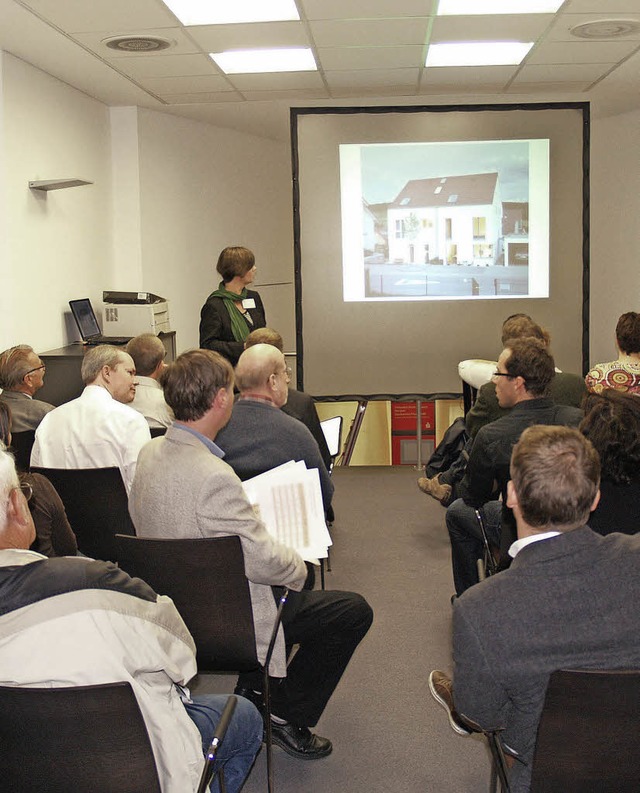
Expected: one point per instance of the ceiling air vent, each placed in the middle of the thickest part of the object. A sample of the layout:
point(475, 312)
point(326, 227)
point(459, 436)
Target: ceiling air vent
point(137, 43)
point(605, 29)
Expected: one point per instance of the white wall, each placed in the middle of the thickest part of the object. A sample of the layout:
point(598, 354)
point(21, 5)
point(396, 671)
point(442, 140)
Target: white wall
point(203, 189)
point(615, 228)
point(56, 245)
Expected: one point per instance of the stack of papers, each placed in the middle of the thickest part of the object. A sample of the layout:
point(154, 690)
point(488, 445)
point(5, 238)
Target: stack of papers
point(288, 500)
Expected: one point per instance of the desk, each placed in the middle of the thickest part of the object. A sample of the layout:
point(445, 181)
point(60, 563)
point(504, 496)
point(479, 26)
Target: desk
point(62, 381)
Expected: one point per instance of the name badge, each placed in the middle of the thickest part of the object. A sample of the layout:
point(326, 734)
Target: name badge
point(249, 302)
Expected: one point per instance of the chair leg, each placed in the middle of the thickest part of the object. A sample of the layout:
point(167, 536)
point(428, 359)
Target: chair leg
point(498, 764)
point(322, 574)
point(267, 692)
point(328, 561)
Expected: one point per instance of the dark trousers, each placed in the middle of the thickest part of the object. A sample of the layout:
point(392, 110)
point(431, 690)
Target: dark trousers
point(327, 626)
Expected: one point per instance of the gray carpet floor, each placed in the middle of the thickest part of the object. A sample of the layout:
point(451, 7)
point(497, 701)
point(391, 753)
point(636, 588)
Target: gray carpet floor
point(391, 545)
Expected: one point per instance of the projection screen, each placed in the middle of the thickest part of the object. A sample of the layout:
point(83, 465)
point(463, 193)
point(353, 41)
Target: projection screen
point(418, 230)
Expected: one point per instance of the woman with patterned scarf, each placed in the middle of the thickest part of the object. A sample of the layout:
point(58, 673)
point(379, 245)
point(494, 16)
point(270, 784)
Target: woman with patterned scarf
point(232, 311)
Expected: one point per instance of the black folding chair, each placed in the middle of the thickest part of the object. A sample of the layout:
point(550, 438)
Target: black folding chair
point(21, 445)
point(206, 580)
point(79, 739)
point(96, 504)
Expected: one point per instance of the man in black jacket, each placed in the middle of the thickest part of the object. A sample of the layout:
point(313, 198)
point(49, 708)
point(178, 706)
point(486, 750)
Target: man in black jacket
point(524, 372)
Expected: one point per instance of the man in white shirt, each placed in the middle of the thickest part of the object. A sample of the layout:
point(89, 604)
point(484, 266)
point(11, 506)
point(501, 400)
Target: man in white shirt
point(98, 429)
point(148, 355)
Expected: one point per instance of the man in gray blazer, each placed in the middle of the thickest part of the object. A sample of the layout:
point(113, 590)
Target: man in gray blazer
point(569, 600)
point(21, 375)
point(182, 488)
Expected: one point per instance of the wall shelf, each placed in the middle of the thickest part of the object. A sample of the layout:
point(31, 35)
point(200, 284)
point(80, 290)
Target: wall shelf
point(57, 184)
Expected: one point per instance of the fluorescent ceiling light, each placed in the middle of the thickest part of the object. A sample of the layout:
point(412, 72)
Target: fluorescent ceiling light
point(206, 12)
point(298, 59)
point(455, 7)
point(478, 53)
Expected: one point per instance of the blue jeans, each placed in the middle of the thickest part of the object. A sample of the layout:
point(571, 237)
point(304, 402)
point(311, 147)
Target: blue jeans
point(466, 539)
point(241, 743)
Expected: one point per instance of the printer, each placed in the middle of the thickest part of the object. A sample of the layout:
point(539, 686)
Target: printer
point(132, 313)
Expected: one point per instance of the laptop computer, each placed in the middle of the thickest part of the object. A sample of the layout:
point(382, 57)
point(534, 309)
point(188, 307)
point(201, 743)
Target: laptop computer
point(87, 323)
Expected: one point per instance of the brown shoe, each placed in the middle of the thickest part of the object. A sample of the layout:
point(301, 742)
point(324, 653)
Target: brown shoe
point(441, 689)
point(434, 488)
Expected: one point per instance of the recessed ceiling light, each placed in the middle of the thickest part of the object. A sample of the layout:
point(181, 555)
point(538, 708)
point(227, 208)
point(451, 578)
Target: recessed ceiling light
point(205, 12)
point(605, 29)
point(297, 59)
point(478, 53)
point(456, 7)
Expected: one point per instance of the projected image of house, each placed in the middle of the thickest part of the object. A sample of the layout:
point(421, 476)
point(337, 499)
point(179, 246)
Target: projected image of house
point(451, 220)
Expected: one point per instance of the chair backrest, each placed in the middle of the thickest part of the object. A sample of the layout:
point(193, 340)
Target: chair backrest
point(588, 733)
point(96, 504)
point(206, 580)
point(21, 445)
point(82, 739)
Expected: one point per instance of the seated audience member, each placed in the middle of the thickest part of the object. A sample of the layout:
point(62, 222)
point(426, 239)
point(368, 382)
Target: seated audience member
point(623, 374)
point(148, 353)
point(569, 600)
point(182, 488)
point(525, 371)
point(21, 375)
point(565, 389)
point(299, 404)
point(259, 436)
point(54, 535)
point(98, 429)
point(100, 626)
point(612, 424)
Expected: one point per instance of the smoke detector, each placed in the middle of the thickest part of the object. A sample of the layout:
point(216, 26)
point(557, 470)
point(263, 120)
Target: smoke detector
point(605, 29)
point(137, 43)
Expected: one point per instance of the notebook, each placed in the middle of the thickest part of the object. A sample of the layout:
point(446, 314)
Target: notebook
point(87, 323)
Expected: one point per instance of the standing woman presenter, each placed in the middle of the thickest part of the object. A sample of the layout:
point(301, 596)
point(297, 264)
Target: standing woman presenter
point(232, 311)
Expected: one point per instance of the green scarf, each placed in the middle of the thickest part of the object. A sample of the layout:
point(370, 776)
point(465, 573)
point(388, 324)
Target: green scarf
point(239, 326)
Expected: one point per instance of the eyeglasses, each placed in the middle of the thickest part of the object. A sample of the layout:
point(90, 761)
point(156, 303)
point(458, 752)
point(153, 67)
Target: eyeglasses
point(27, 490)
point(503, 374)
point(36, 369)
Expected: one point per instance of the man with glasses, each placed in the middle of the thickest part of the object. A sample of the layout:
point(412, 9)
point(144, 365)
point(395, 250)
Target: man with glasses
point(21, 375)
point(260, 436)
point(522, 378)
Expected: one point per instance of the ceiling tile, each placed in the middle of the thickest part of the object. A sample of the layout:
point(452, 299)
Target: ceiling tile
point(291, 95)
point(118, 15)
point(545, 88)
point(166, 65)
point(615, 7)
point(373, 77)
point(332, 58)
point(369, 33)
point(204, 98)
point(276, 82)
point(373, 91)
point(216, 38)
point(581, 52)
point(568, 73)
point(503, 27)
point(192, 84)
point(471, 76)
point(371, 9)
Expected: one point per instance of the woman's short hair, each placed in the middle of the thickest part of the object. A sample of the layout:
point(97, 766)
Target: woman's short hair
point(235, 261)
point(518, 326)
point(192, 381)
point(612, 424)
point(556, 475)
point(628, 332)
point(530, 359)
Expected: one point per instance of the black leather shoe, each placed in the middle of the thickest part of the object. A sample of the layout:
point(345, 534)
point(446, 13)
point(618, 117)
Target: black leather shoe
point(253, 696)
point(300, 742)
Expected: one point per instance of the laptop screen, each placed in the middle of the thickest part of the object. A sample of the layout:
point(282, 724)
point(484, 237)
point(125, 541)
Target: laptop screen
point(85, 317)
